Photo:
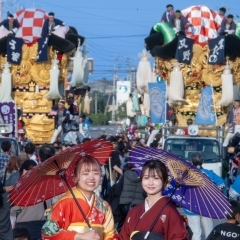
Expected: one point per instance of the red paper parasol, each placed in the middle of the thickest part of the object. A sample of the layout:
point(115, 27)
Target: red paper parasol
point(55, 175)
point(45, 180)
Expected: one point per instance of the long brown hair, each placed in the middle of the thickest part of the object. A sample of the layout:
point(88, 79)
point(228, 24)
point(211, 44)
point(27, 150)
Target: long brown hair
point(12, 164)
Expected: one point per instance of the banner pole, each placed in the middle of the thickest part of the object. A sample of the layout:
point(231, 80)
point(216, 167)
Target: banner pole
point(165, 101)
point(214, 105)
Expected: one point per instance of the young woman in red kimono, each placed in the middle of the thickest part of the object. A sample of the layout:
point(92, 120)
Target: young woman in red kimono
point(65, 221)
point(154, 177)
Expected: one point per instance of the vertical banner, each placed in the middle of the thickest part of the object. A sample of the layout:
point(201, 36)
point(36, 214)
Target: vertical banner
point(14, 50)
point(184, 50)
point(42, 55)
point(205, 115)
point(158, 99)
point(8, 114)
point(217, 50)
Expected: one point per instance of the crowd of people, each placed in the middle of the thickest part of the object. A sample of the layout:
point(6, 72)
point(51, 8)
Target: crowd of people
point(179, 23)
point(117, 202)
point(130, 203)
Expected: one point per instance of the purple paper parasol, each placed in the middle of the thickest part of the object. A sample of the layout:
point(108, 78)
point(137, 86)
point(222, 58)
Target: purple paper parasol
point(196, 193)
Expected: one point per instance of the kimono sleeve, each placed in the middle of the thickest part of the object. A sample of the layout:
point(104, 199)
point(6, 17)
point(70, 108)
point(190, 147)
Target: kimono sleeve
point(56, 225)
point(175, 222)
point(109, 230)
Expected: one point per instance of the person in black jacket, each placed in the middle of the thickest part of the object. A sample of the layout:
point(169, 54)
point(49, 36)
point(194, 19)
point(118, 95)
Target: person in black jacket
point(50, 24)
point(229, 230)
point(132, 193)
point(73, 109)
point(228, 26)
point(117, 161)
point(70, 131)
point(10, 24)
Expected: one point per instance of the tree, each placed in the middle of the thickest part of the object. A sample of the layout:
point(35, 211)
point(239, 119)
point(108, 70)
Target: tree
point(121, 112)
point(101, 102)
point(99, 119)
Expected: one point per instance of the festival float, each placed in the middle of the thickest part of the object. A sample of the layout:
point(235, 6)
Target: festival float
point(198, 66)
point(35, 70)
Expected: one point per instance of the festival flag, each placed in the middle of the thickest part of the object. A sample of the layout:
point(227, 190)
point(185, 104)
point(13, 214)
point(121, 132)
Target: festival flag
point(9, 115)
point(205, 115)
point(158, 99)
point(14, 50)
point(184, 50)
point(217, 48)
point(42, 55)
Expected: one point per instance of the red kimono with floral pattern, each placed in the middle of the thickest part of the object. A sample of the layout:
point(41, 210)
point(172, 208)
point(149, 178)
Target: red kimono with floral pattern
point(65, 219)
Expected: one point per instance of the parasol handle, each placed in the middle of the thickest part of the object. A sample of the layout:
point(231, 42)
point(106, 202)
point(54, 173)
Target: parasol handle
point(76, 201)
point(63, 176)
point(161, 211)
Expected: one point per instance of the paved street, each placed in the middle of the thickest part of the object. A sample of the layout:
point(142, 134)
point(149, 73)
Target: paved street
point(95, 131)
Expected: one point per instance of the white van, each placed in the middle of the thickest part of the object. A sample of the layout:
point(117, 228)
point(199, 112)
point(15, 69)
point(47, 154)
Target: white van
point(183, 146)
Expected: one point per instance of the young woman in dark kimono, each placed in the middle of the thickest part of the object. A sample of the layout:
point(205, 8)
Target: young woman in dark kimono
point(154, 178)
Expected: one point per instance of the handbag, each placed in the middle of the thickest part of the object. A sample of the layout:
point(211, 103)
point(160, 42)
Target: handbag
point(151, 236)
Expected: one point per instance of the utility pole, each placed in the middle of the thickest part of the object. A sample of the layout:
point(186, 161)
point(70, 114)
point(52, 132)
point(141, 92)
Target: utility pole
point(113, 110)
point(96, 103)
point(114, 88)
point(128, 68)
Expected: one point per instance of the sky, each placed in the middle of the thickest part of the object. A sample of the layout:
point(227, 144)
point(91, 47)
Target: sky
point(115, 29)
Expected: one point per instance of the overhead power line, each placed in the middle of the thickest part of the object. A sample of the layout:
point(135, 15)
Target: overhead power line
point(121, 36)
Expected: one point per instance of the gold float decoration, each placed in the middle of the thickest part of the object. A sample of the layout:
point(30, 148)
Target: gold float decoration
point(25, 52)
point(33, 51)
point(40, 72)
point(39, 128)
point(21, 73)
point(63, 66)
point(196, 75)
point(235, 69)
point(27, 78)
point(32, 86)
point(32, 102)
